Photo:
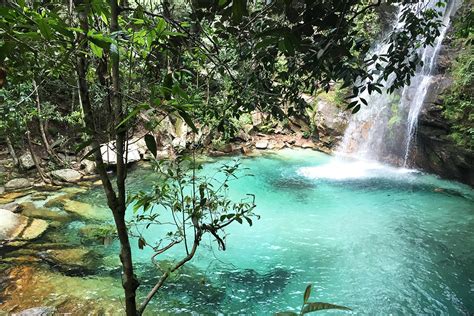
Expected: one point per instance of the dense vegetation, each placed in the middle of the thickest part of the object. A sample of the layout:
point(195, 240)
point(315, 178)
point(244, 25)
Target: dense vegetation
point(80, 74)
point(458, 103)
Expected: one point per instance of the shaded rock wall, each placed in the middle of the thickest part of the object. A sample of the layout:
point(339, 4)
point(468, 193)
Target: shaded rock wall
point(434, 150)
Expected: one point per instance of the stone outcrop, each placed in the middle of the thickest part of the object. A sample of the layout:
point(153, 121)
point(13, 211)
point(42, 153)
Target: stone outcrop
point(18, 184)
point(66, 175)
point(434, 150)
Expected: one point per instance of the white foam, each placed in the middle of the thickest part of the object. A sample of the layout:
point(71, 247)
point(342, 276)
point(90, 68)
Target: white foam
point(338, 169)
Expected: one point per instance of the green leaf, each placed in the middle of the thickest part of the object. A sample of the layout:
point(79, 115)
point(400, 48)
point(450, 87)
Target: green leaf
point(96, 50)
point(188, 120)
point(44, 28)
point(307, 293)
point(318, 306)
point(151, 144)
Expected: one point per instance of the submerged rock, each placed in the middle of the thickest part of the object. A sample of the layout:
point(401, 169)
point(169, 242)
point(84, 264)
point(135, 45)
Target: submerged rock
point(37, 311)
point(28, 285)
point(18, 184)
point(30, 210)
point(66, 175)
point(85, 210)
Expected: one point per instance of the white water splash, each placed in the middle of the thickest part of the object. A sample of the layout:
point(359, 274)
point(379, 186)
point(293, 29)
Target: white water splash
point(340, 169)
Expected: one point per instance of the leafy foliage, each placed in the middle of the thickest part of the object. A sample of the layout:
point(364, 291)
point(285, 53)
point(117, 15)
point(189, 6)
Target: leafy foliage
point(458, 103)
point(310, 307)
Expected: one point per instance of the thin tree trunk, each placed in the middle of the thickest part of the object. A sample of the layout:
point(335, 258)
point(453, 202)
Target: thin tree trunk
point(43, 176)
point(129, 282)
point(115, 202)
point(11, 150)
point(44, 139)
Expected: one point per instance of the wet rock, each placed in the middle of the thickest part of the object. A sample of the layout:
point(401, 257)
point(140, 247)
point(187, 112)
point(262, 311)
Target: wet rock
point(66, 175)
point(37, 311)
point(35, 229)
point(18, 227)
point(27, 285)
point(18, 184)
point(85, 210)
point(72, 257)
point(11, 196)
point(26, 161)
point(261, 144)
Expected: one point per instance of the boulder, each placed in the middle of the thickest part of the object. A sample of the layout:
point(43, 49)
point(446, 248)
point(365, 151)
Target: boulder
point(261, 144)
point(109, 153)
point(330, 118)
point(18, 227)
point(89, 166)
point(26, 161)
point(18, 184)
point(66, 175)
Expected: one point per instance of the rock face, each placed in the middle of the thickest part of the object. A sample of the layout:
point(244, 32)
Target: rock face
point(434, 150)
point(26, 161)
point(437, 153)
point(18, 184)
point(330, 119)
point(66, 175)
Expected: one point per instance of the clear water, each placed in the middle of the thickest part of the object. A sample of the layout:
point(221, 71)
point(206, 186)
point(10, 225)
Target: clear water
point(379, 240)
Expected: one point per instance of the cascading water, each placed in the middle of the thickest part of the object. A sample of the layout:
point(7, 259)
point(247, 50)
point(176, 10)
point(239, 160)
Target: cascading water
point(384, 130)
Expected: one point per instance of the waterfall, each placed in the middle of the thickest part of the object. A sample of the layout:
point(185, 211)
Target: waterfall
point(384, 130)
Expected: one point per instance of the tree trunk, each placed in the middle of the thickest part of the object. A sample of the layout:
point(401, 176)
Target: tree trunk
point(43, 176)
point(11, 150)
point(44, 139)
point(115, 202)
point(129, 282)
